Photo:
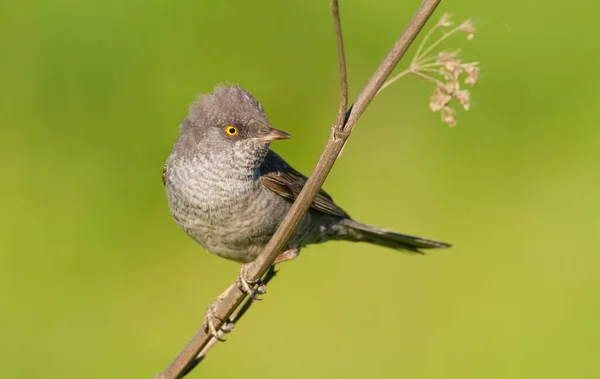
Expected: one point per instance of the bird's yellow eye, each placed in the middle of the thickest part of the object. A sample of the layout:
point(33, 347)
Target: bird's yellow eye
point(231, 130)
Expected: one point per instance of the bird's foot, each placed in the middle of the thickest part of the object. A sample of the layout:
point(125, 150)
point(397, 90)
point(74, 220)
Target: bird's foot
point(247, 286)
point(287, 255)
point(210, 320)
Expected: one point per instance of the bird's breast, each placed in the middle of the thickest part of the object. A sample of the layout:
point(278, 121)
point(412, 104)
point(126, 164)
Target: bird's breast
point(230, 216)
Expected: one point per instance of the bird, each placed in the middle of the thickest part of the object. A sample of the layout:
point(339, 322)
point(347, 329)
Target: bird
point(229, 191)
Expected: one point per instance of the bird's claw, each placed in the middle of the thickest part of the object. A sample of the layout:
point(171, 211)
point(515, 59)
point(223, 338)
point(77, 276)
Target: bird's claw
point(247, 287)
point(209, 324)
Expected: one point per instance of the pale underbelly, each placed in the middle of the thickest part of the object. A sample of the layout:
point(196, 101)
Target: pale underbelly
point(236, 230)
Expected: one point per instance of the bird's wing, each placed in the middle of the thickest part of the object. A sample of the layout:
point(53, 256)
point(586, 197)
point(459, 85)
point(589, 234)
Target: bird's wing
point(282, 179)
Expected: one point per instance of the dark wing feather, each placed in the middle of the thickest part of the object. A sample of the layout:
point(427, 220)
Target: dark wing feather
point(281, 178)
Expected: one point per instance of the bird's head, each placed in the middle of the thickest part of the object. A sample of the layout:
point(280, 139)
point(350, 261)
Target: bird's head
point(230, 121)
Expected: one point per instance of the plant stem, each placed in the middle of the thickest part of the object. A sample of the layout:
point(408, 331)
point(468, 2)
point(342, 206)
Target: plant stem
point(392, 80)
point(442, 38)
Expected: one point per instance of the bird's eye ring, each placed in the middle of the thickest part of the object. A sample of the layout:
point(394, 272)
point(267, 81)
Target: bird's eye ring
point(231, 130)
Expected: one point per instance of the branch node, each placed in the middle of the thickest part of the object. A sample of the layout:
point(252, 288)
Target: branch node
point(339, 133)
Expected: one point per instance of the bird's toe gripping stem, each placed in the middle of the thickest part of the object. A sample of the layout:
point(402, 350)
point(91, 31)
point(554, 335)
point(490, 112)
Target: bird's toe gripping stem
point(247, 286)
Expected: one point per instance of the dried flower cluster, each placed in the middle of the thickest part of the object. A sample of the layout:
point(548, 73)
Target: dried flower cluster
point(444, 69)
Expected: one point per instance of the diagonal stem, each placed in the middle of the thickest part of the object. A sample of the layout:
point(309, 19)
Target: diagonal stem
point(241, 311)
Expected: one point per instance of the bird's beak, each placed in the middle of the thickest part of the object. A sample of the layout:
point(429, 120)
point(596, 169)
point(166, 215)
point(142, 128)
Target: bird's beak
point(273, 134)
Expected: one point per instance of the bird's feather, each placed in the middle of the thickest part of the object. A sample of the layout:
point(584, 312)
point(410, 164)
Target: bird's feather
point(282, 179)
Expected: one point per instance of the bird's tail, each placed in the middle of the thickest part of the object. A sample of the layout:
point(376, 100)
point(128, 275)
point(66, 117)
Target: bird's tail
point(378, 236)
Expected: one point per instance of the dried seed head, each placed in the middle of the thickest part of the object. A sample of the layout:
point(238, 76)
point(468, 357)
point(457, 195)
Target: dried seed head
point(444, 21)
point(467, 26)
point(472, 73)
point(445, 56)
point(463, 97)
point(448, 116)
point(427, 65)
point(451, 87)
point(447, 75)
point(471, 68)
point(439, 99)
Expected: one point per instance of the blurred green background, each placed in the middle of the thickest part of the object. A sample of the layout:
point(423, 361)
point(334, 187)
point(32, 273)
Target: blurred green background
point(97, 280)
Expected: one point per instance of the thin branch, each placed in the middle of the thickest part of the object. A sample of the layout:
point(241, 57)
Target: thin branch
point(440, 40)
point(396, 77)
point(339, 122)
point(433, 64)
point(429, 78)
point(255, 270)
point(422, 44)
point(230, 325)
point(429, 69)
point(391, 60)
point(427, 59)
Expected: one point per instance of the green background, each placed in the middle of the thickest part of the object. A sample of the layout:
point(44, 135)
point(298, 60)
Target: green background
point(97, 280)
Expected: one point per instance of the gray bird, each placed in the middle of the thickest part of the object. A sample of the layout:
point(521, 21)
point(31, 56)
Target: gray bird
point(229, 192)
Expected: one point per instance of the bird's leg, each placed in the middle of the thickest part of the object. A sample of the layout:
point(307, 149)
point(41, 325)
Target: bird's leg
point(211, 316)
point(287, 255)
point(247, 286)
